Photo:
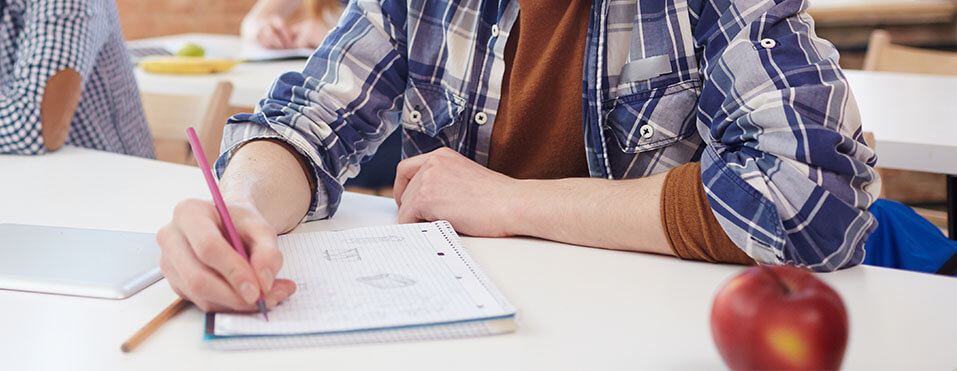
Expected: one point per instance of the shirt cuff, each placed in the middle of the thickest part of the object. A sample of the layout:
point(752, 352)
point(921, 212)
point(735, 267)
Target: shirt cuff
point(238, 132)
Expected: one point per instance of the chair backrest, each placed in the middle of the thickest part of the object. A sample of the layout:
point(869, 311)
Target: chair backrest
point(882, 55)
point(169, 115)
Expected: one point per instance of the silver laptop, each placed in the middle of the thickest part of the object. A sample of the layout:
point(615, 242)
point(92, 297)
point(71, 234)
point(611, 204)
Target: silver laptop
point(81, 262)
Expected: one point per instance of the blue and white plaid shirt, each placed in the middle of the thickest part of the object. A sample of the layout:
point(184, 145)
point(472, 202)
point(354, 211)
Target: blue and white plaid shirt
point(745, 87)
point(39, 38)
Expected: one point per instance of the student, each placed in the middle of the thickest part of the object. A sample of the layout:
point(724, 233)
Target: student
point(708, 129)
point(266, 23)
point(65, 78)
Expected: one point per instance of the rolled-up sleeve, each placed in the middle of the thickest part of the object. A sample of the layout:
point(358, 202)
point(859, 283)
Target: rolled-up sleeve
point(786, 170)
point(341, 107)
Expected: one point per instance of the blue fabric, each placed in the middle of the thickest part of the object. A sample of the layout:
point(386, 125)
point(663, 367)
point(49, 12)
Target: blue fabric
point(380, 170)
point(906, 240)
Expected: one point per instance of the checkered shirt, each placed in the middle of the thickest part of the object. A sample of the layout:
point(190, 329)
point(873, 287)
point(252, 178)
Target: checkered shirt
point(745, 87)
point(38, 39)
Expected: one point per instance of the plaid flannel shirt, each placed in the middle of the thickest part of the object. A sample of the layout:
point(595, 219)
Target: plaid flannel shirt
point(745, 87)
point(39, 39)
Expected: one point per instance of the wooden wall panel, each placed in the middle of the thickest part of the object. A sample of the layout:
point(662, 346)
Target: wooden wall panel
point(150, 18)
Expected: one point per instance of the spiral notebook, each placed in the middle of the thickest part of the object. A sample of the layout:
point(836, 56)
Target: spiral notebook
point(378, 284)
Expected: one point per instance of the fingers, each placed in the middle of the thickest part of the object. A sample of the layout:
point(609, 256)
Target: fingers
point(201, 228)
point(283, 289)
point(407, 212)
point(406, 170)
point(191, 279)
point(275, 35)
point(310, 33)
point(201, 266)
point(207, 289)
point(270, 38)
point(277, 26)
point(415, 200)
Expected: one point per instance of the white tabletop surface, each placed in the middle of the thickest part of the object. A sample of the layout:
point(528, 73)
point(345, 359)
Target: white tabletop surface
point(251, 80)
point(579, 308)
point(913, 118)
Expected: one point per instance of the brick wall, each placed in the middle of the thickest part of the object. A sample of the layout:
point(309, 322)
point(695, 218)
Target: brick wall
point(149, 18)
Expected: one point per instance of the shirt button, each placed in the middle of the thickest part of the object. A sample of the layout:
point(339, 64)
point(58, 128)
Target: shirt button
point(495, 30)
point(646, 131)
point(768, 43)
point(481, 118)
point(415, 116)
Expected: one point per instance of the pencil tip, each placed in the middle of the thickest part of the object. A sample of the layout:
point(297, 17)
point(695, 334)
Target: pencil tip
point(262, 309)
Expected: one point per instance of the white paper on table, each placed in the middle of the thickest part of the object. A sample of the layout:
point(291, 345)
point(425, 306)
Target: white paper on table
point(374, 278)
point(255, 53)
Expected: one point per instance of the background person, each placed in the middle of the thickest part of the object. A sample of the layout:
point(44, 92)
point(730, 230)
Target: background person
point(66, 78)
point(272, 23)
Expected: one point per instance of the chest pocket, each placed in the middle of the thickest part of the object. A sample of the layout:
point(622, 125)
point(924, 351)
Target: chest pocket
point(429, 109)
point(656, 92)
point(654, 119)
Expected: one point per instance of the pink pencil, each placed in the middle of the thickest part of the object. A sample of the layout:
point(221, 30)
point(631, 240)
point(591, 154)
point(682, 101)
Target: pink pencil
point(221, 206)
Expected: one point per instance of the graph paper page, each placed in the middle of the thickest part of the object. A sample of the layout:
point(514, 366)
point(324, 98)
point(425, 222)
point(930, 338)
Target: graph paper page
point(373, 278)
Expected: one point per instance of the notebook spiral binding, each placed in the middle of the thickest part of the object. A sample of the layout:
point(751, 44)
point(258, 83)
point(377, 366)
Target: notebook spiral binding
point(448, 233)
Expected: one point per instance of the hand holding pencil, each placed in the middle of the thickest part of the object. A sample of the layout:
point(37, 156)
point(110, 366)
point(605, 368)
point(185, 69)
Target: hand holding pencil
point(200, 263)
point(204, 267)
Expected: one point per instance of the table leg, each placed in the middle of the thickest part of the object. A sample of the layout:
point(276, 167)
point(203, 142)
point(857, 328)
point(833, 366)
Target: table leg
point(952, 206)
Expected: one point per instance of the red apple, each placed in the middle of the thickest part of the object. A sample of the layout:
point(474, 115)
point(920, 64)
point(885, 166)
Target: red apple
point(779, 317)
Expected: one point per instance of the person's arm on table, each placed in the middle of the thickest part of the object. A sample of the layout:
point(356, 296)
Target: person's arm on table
point(785, 170)
point(265, 24)
point(267, 191)
point(615, 214)
point(270, 187)
point(625, 214)
point(319, 19)
point(57, 52)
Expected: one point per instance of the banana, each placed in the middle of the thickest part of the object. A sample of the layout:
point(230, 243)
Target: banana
point(186, 65)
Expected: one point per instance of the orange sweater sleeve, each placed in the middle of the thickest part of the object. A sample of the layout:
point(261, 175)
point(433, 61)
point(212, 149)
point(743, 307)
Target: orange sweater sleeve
point(690, 227)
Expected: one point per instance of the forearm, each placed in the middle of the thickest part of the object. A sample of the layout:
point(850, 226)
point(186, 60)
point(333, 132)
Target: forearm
point(272, 178)
point(60, 99)
point(613, 214)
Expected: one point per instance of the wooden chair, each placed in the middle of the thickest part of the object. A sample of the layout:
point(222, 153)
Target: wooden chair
point(169, 115)
point(901, 185)
point(884, 56)
point(937, 217)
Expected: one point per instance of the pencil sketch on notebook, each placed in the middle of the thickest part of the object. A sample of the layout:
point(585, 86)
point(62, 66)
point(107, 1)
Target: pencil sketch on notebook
point(347, 255)
point(397, 278)
point(387, 281)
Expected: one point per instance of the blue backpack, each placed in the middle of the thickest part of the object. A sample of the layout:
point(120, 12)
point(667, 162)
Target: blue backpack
point(905, 240)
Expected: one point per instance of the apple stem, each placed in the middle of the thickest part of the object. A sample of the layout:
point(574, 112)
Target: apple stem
point(777, 278)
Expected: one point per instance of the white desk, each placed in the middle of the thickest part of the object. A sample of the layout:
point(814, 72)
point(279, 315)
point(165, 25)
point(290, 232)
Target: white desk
point(250, 80)
point(580, 308)
point(913, 118)
point(914, 121)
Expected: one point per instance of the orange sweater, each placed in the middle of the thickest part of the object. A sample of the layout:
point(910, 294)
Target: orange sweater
point(538, 128)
